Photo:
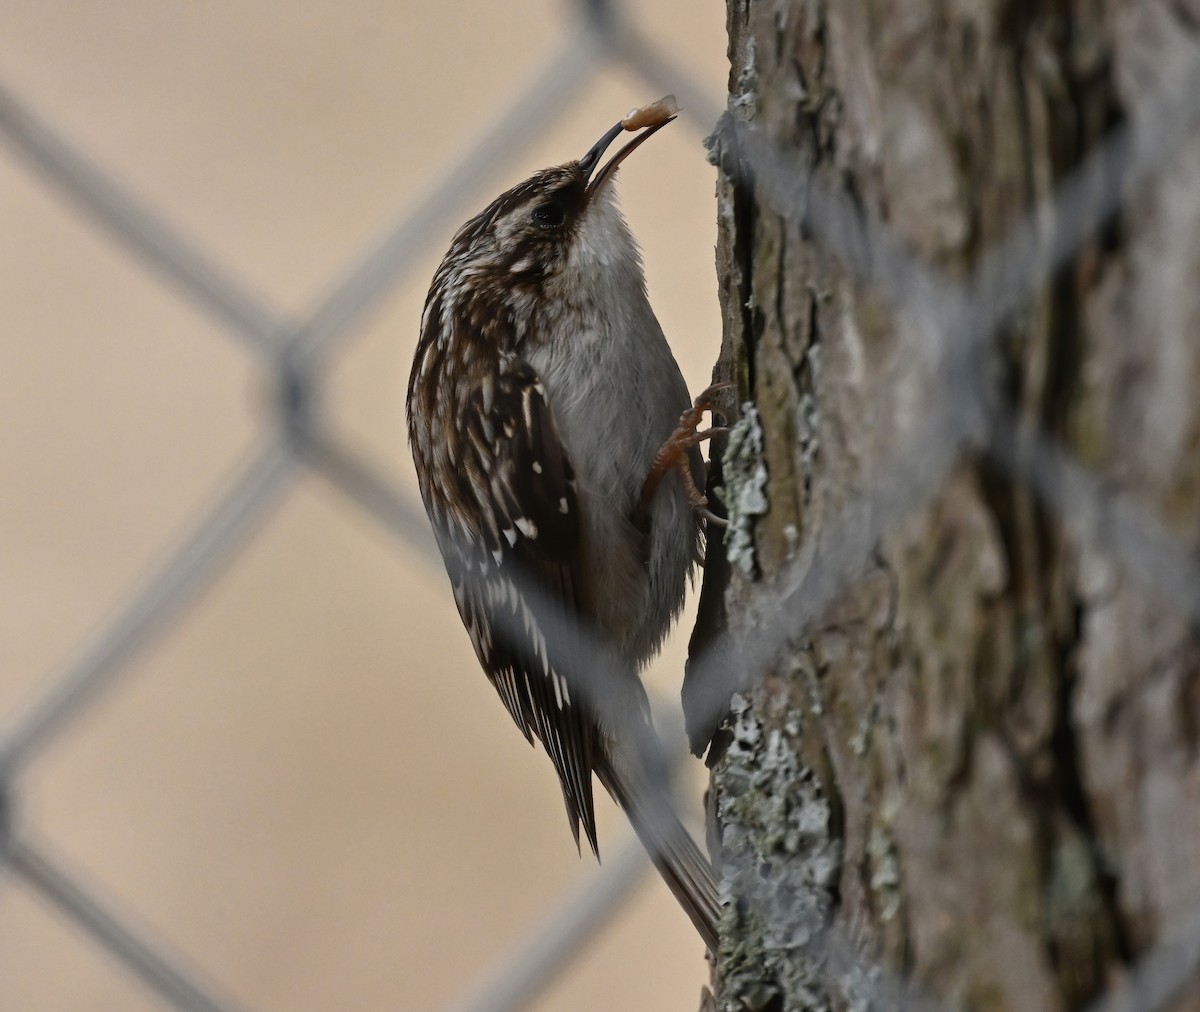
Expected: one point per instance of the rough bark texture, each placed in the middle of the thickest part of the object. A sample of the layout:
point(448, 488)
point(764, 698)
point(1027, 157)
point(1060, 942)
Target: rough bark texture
point(981, 765)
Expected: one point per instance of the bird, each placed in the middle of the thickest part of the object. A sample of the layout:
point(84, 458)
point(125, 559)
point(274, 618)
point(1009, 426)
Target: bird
point(555, 446)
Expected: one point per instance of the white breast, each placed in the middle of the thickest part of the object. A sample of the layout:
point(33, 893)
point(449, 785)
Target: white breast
point(617, 393)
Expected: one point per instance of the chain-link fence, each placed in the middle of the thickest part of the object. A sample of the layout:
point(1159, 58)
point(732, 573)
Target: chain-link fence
point(958, 319)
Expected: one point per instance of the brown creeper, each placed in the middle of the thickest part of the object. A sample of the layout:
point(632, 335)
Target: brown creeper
point(542, 411)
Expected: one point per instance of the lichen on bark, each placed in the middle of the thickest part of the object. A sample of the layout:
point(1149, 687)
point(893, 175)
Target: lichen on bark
point(782, 860)
point(744, 489)
point(984, 753)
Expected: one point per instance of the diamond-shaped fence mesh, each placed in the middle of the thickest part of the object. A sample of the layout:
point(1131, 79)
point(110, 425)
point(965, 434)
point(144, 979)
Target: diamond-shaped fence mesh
point(958, 317)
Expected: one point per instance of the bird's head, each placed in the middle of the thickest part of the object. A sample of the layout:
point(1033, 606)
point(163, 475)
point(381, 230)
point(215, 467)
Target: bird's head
point(561, 222)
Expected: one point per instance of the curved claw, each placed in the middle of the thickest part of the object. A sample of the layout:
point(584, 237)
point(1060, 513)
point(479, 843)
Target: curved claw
point(673, 452)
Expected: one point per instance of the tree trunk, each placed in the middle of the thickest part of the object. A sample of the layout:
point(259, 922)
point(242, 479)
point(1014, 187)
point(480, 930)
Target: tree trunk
point(972, 776)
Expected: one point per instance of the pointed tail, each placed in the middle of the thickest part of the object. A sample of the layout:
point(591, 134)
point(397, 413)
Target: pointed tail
point(686, 870)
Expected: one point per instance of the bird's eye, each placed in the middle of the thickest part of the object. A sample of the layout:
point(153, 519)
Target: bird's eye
point(549, 215)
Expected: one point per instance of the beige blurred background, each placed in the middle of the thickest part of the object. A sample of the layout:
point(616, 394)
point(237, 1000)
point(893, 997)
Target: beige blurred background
point(305, 786)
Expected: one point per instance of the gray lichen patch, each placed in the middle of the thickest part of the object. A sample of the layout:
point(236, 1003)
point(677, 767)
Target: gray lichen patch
point(885, 871)
point(1071, 891)
point(783, 865)
point(808, 412)
point(744, 100)
point(745, 491)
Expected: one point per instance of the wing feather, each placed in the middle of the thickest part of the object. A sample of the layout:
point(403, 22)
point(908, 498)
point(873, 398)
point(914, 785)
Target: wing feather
point(515, 473)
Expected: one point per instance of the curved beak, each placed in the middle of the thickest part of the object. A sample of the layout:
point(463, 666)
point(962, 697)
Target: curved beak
point(589, 161)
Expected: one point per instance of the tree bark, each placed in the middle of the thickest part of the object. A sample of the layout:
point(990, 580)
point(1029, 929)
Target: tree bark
point(975, 777)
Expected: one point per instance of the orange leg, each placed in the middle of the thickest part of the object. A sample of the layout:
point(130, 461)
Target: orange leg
point(673, 454)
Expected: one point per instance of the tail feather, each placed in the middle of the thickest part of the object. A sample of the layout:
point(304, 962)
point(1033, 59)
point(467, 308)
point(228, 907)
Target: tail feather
point(686, 870)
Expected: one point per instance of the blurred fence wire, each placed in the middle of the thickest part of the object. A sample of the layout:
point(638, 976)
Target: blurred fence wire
point(958, 319)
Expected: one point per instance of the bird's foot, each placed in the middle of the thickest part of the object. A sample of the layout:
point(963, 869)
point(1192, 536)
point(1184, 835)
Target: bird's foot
point(674, 454)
